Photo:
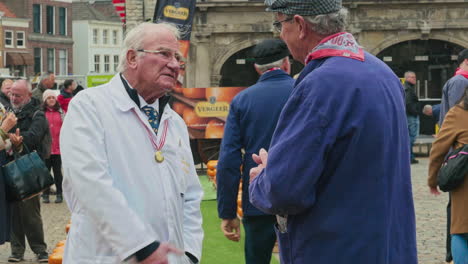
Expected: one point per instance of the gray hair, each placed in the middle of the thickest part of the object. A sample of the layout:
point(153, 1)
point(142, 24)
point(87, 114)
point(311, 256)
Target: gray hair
point(328, 24)
point(28, 84)
point(408, 73)
point(427, 108)
point(135, 37)
point(45, 75)
point(265, 67)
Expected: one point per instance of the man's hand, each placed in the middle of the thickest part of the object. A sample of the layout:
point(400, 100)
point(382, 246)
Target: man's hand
point(160, 255)
point(261, 159)
point(16, 139)
point(434, 190)
point(9, 122)
point(231, 229)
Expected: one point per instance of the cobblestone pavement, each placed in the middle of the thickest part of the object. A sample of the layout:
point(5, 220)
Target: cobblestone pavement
point(55, 217)
point(430, 217)
point(430, 221)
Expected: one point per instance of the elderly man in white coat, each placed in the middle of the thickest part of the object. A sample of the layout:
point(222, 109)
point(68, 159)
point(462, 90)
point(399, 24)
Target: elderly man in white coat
point(129, 178)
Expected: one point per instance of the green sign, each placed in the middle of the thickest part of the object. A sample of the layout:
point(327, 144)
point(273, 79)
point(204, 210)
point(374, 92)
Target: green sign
point(95, 80)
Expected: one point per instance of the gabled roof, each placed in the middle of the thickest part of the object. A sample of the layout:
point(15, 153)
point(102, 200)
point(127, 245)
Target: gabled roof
point(99, 10)
point(7, 12)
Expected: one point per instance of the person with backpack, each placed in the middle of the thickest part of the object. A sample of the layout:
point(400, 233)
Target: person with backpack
point(453, 135)
point(54, 115)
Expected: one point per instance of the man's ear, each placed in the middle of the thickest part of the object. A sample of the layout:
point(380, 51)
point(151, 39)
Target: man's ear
point(257, 69)
point(286, 65)
point(131, 59)
point(302, 24)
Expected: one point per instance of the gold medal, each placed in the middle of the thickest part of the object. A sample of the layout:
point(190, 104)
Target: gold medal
point(158, 156)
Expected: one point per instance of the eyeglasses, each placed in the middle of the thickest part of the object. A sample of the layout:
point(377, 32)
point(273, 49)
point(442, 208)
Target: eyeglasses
point(165, 54)
point(278, 25)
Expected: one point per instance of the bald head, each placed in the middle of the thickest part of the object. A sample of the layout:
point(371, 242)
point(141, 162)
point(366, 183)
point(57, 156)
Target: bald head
point(20, 93)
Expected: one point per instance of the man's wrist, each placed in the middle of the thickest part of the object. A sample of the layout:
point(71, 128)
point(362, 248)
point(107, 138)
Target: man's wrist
point(145, 252)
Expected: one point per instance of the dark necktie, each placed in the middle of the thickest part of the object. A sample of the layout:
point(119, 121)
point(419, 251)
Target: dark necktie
point(152, 117)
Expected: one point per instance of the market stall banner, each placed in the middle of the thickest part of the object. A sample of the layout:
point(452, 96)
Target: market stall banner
point(204, 110)
point(178, 12)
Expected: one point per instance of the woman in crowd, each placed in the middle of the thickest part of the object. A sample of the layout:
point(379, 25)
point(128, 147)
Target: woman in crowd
point(54, 115)
point(9, 121)
point(453, 134)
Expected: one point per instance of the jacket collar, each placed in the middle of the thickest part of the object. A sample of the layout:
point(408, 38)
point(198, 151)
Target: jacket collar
point(271, 74)
point(409, 85)
point(126, 98)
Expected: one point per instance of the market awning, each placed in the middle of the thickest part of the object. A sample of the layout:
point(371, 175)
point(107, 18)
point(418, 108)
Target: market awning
point(16, 58)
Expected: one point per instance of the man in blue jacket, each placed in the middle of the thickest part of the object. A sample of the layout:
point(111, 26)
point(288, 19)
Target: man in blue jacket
point(338, 170)
point(252, 119)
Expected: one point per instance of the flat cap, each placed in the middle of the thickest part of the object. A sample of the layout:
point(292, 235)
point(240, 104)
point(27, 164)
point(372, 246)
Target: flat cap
point(303, 7)
point(269, 51)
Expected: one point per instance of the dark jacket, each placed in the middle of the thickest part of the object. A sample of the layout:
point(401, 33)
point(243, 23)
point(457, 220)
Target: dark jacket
point(413, 107)
point(5, 210)
point(252, 119)
point(38, 91)
point(4, 100)
point(338, 166)
point(34, 128)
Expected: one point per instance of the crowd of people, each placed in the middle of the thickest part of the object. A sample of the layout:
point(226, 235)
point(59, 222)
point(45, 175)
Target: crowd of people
point(323, 173)
point(31, 118)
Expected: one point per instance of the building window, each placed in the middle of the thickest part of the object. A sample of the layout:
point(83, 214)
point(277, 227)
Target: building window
point(116, 62)
point(20, 39)
point(37, 18)
point(62, 21)
point(8, 38)
point(106, 63)
point(97, 61)
point(51, 60)
point(50, 20)
point(95, 36)
point(63, 62)
point(104, 36)
point(114, 37)
point(37, 60)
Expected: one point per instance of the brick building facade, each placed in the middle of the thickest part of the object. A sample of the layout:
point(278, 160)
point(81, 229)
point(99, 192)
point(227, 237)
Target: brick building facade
point(15, 52)
point(49, 34)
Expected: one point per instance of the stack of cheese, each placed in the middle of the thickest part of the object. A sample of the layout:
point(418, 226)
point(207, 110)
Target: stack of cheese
point(57, 254)
point(212, 170)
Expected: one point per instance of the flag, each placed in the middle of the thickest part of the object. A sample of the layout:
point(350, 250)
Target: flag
point(120, 8)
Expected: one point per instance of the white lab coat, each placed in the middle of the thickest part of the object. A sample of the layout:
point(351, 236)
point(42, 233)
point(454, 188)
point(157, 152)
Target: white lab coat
point(122, 199)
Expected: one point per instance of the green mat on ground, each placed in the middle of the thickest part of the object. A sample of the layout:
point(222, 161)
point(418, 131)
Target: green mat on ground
point(208, 188)
point(216, 247)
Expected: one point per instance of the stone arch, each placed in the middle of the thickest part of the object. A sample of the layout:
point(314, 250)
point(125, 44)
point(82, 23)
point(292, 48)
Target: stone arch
point(392, 40)
point(229, 51)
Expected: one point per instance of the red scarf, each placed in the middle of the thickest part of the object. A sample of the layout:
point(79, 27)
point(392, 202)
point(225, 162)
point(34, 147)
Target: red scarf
point(341, 44)
point(461, 72)
point(271, 69)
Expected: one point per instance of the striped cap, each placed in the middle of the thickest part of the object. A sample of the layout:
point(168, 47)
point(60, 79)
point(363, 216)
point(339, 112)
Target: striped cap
point(303, 7)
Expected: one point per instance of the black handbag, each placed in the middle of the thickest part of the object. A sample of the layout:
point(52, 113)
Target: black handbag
point(26, 176)
point(453, 170)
